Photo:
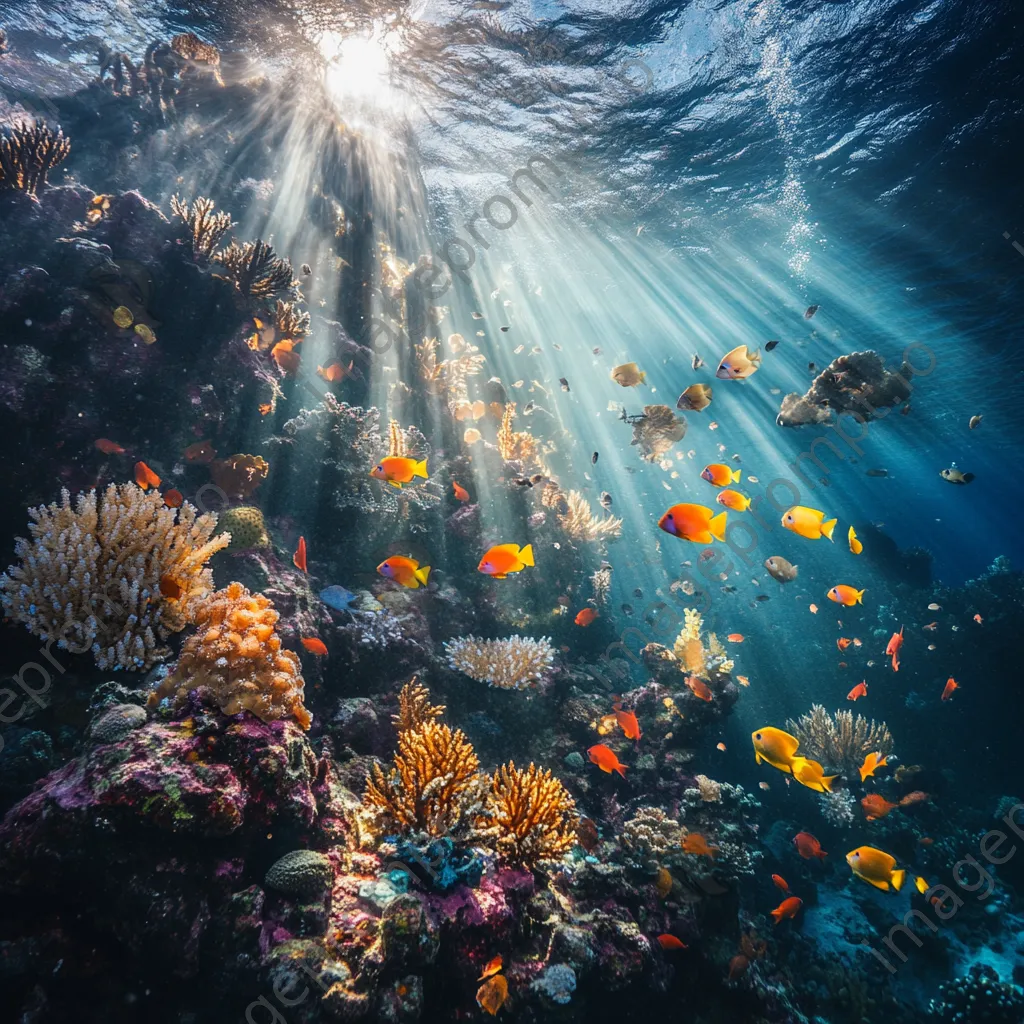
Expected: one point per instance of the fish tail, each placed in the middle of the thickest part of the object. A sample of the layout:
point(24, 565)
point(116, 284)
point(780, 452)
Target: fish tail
point(777, 915)
point(827, 780)
point(716, 527)
point(420, 468)
point(755, 356)
point(526, 555)
point(827, 528)
point(643, 378)
point(621, 769)
point(860, 594)
point(897, 879)
point(736, 474)
point(422, 573)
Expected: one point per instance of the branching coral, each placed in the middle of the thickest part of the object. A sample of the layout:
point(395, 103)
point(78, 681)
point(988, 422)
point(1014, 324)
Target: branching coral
point(695, 657)
point(235, 658)
point(290, 322)
point(433, 787)
point(197, 56)
point(27, 155)
point(509, 664)
point(657, 431)
point(529, 816)
point(516, 445)
point(239, 475)
point(255, 269)
point(580, 523)
point(651, 832)
point(450, 376)
point(206, 227)
point(839, 742)
point(90, 577)
point(414, 707)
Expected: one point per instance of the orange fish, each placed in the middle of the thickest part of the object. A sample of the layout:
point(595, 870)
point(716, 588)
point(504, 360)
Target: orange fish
point(876, 806)
point(398, 470)
point(314, 646)
point(585, 617)
point(503, 559)
point(978, 619)
point(266, 408)
point(335, 372)
point(719, 474)
point(461, 494)
point(299, 558)
point(807, 846)
point(696, 844)
point(173, 498)
point(201, 452)
point(846, 595)
point(787, 908)
point(406, 571)
point(842, 643)
point(170, 587)
point(698, 688)
point(694, 523)
point(951, 685)
point(857, 643)
point(780, 883)
point(491, 995)
point(893, 649)
point(738, 966)
point(606, 760)
point(667, 941)
point(630, 726)
point(917, 797)
point(872, 762)
point(145, 477)
point(735, 638)
point(284, 354)
point(492, 968)
point(743, 680)
point(860, 690)
point(814, 609)
point(926, 840)
point(720, 746)
point(108, 447)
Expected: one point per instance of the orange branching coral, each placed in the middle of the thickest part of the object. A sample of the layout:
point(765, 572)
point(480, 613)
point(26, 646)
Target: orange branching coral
point(433, 787)
point(239, 475)
point(516, 445)
point(290, 322)
point(235, 656)
point(197, 55)
point(414, 707)
point(529, 816)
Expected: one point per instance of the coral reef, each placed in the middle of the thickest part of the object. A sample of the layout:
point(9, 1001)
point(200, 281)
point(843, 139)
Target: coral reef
point(651, 832)
point(255, 269)
point(414, 707)
point(235, 658)
point(301, 873)
point(842, 741)
point(656, 431)
point(978, 997)
point(580, 523)
point(509, 664)
point(93, 577)
point(246, 526)
point(839, 807)
point(239, 475)
point(28, 154)
point(206, 227)
point(699, 656)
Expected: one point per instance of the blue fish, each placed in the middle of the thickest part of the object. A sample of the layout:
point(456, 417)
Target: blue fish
point(337, 598)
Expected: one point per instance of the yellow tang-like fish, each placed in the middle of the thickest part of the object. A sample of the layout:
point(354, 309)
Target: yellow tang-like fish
point(876, 867)
point(811, 774)
point(398, 470)
point(855, 545)
point(739, 363)
point(808, 522)
point(774, 747)
point(628, 375)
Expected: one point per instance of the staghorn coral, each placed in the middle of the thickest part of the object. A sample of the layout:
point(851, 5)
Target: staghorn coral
point(239, 475)
point(290, 322)
point(509, 664)
point(528, 816)
point(434, 785)
point(414, 707)
point(206, 227)
point(255, 269)
point(90, 576)
point(517, 445)
point(651, 832)
point(839, 742)
point(27, 155)
point(580, 523)
point(235, 656)
point(656, 431)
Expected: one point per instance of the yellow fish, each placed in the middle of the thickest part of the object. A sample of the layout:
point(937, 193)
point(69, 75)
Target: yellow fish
point(811, 774)
point(921, 885)
point(739, 363)
point(398, 470)
point(774, 747)
point(500, 560)
point(855, 545)
point(808, 522)
point(734, 500)
point(406, 571)
point(876, 868)
point(872, 762)
point(628, 375)
point(846, 595)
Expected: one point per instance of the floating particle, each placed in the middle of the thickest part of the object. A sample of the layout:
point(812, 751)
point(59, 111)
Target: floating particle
point(814, 609)
point(517, 383)
point(627, 609)
point(556, 347)
point(123, 316)
point(564, 383)
point(810, 311)
point(477, 316)
point(775, 391)
point(931, 647)
point(504, 330)
point(764, 785)
point(306, 270)
point(713, 425)
point(933, 607)
point(696, 362)
point(145, 333)
point(974, 422)
point(770, 345)
point(507, 303)
point(753, 480)
point(518, 349)
point(597, 351)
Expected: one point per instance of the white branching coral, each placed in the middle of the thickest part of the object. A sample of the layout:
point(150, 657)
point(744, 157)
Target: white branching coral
point(90, 576)
point(579, 521)
point(510, 664)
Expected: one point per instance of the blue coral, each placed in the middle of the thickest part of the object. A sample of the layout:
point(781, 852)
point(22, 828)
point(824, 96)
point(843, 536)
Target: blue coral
point(556, 984)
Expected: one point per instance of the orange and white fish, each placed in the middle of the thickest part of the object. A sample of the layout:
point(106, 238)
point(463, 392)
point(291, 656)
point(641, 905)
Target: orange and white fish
point(404, 570)
point(733, 499)
point(606, 760)
point(949, 688)
point(978, 619)
point(502, 559)
point(398, 470)
point(145, 477)
point(845, 595)
point(739, 364)
point(808, 522)
point(735, 638)
point(721, 475)
point(787, 908)
point(893, 649)
point(299, 558)
point(314, 646)
point(860, 690)
point(694, 523)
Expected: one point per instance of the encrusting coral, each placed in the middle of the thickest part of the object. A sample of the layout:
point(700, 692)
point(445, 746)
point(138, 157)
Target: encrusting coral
point(529, 815)
point(246, 526)
point(27, 155)
point(841, 742)
point(651, 832)
point(509, 664)
point(206, 227)
point(580, 523)
point(90, 577)
point(235, 656)
point(255, 269)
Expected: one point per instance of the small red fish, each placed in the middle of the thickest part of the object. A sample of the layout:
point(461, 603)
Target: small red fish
point(335, 372)
point(667, 941)
point(860, 690)
point(145, 477)
point(842, 643)
point(314, 646)
point(951, 685)
point(173, 498)
point(698, 688)
point(696, 844)
point(735, 638)
point(787, 908)
point(926, 840)
point(807, 846)
point(108, 447)
point(284, 354)
point(978, 619)
point(299, 558)
point(461, 494)
point(738, 966)
point(893, 649)
point(606, 760)
point(780, 883)
point(628, 721)
point(876, 806)
point(585, 617)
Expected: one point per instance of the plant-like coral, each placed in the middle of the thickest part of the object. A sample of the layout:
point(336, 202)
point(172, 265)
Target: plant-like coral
point(255, 269)
point(529, 816)
point(656, 431)
point(206, 227)
point(517, 445)
point(27, 155)
point(696, 657)
point(414, 707)
point(840, 742)
point(450, 376)
point(651, 832)
point(90, 577)
point(197, 56)
point(290, 322)
point(239, 475)
point(235, 657)
point(580, 523)
point(434, 785)
point(509, 664)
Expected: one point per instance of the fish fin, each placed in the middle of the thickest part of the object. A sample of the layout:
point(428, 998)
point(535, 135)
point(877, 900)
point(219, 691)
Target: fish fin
point(643, 378)
point(499, 576)
point(827, 527)
point(827, 780)
point(736, 474)
point(968, 477)
point(420, 468)
point(777, 915)
point(757, 758)
point(621, 769)
point(395, 483)
point(860, 594)
point(422, 573)
point(717, 526)
point(897, 878)
point(526, 555)
point(884, 886)
point(754, 357)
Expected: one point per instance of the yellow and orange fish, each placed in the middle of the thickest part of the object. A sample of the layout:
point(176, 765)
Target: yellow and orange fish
point(876, 806)
point(949, 688)
point(585, 616)
point(606, 760)
point(872, 762)
point(739, 364)
point(108, 447)
point(808, 522)
point(787, 908)
point(811, 774)
point(721, 475)
point(846, 596)
point(299, 558)
point(145, 477)
point(314, 646)
point(774, 747)
point(404, 570)
point(492, 967)
point(398, 470)
point(876, 867)
point(696, 844)
point(733, 499)
point(502, 559)
point(855, 545)
point(860, 690)
point(893, 649)
point(694, 523)
point(335, 372)
point(491, 995)
point(461, 494)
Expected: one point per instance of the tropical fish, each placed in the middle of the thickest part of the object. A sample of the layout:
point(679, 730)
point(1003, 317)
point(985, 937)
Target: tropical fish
point(719, 474)
point(977, 618)
point(461, 494)
point(813, 608)
point(721, 746)
point(770, 346)
point(667, 941)
point(398, 470)
point(663, 883)
point(605, 500)
point(108, 447)
point(145, 477)
point(628, 721)
point(201, 452)
point(299, 558)
point(628, 375)
point(694, 523)
point(810, 311)
point(954, 476)
point(845, 595)
point(808, 847)
point(337, 597)
point(951, 685)
point(893, 649)
point(855, 545)
point(787, 908)
point(780, 569)
point(173, 498)
point(860, 690)
point(734, 500)
point(284, 354)
point(808, 522)
point(335, 372)
point(314, 646)
point(606, 760)
point(811, 774)
point(743, 680)
point(876, 868)
point(738, 966)
point(698, 688)
point(738, 364)
point(404, 570)
point(696, 844)
point(876, 806)
point(780, 883)
point(872, 762)
point(492, 967)
point(696, 362)
point(917, 797)
point(503, 559)
point(491, 995)
point(774, 747)
point(696, 398)
point(170, 587)
point(974, 422)
point(585, 616)
point(921, 885)
point(735, 638)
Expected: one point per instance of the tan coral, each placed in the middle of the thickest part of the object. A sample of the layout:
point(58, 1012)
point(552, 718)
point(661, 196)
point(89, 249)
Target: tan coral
point(517, 445)
point(710, 791)
point(657, 431)
point(414, 707)
point(235, 657)
point(510, 664)
point(840, 742)
point(206, 227)
point(580, 523)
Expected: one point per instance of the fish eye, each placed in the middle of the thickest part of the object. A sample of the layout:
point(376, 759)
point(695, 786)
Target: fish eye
point(757, 736)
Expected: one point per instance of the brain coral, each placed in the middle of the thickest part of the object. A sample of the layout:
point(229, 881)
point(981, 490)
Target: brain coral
point(246, 526)
point(300, 873)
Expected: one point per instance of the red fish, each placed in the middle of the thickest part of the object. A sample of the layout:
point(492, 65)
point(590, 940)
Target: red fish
point(284, 354)
point(299, 558)
point(843, 642)
point(696, 844)
point(876, 806)
point(606, 760)
point(951, 685)
point(585, 617)
point(314, 646)
point(807, 846)
point(735, 638)
point(461, 494)
point(738, 966)
point(787, 908)
point(698, 688)
point(630, 726)
point(918, 796)
point(780, 883)
point(667, 941)
point(893, 649)
point(173, 498)
point(145, 477)
point(335, 372)
point(860, 690)
point(108, 447)
point(978, 619)
point(201, 452)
